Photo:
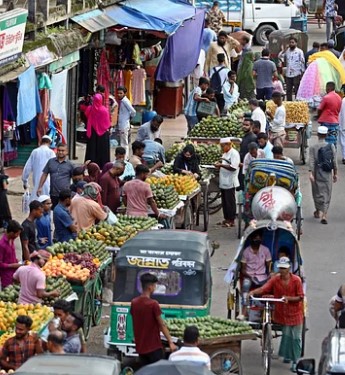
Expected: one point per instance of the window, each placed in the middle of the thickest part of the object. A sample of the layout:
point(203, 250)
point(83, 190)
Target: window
point(169, 282)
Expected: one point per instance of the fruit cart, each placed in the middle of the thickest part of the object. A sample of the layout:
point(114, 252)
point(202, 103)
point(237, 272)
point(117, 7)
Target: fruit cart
point(90, 294)
point(181, 261)
point(186, 215)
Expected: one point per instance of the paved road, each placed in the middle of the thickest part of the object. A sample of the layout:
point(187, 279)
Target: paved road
point(322, 253)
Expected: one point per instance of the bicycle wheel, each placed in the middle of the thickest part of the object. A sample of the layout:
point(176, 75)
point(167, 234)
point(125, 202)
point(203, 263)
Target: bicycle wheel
point(239, 219)
point(225, 362)
point(267, 348)
point(299, 222)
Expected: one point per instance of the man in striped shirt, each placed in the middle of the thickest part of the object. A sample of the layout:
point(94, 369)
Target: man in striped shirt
point(190, 351)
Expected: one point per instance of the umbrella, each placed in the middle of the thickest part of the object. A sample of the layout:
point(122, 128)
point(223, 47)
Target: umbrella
point(174, 368)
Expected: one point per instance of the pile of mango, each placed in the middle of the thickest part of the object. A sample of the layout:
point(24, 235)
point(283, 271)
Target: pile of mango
point(183, 184)
point(58, 267)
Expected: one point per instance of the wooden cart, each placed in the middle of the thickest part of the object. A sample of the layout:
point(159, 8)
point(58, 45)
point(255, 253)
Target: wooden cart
point(296, 137)
point(90, 295)
point(185, 216)
point(225, 352)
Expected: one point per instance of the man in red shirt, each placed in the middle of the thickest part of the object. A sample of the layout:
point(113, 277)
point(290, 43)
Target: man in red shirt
point(148, 323)
point(289, 314)
point(328, 113)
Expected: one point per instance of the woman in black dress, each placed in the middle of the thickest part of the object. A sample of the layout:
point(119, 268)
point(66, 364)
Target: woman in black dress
point(5, 212)
point(97, 132)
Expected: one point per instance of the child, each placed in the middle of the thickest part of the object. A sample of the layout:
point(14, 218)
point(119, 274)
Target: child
point(278, 86)
point(43, 223)
point(8, 259)
point(283, 251)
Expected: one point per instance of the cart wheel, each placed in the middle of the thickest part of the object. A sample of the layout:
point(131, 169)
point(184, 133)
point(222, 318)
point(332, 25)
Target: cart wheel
point(304, 331)
point(303, 147)
point(267, 349)
point(97, 301)
point(225, 362)
point(86, 311)
point(239, 218)
point(299, 220)
point(214, 202)
point(188, 218)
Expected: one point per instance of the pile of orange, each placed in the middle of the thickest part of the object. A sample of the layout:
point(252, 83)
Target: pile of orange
point(58, 267)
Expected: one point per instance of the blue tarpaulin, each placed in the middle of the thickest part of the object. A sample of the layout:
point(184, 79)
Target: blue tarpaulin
point(167, 15)
point(181, 52)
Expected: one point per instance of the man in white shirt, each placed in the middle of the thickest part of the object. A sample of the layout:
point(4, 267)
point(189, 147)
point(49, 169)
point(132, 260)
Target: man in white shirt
point(258, 114)
point(35, 164)
point(190, 351)
point(126, 112)
point(253, 153)
point(150, 130)
point(278, 121)
point(228, 180)
point(230, 91)
point(265, 145)
point(295, 66)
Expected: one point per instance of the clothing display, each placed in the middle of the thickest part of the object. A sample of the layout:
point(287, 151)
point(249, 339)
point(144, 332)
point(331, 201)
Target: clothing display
point(138, 87)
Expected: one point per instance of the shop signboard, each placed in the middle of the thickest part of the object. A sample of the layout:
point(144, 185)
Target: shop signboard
point(12, 30)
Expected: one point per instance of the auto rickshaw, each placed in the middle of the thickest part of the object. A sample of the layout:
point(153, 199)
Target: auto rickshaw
point(180, 260)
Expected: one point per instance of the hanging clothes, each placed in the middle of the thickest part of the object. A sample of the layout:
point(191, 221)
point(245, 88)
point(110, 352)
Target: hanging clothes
point(118, 79)
point(9, 144)
point(127, 76)
point(28, 102)
point(136, 54)
point(103, 75)
point(58, 98)
point(138, 87)
point(42, 117)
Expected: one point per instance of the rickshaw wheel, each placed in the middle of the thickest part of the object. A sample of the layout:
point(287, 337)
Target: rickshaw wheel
point(214, 202)
point(304, 331)
point(267, 349)
point(299, 222)
point(303, 147)
point(239, 219)
point(86, 311)
point(97, 292)
point(225, 362)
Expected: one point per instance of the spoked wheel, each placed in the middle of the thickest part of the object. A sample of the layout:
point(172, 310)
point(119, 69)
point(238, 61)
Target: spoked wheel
point(225, 362)
point(97, 301)
point(87, 313)
point(267, 349)
point(304, 331)
point(214, 202)
point(239, 219)
point(299, 220)
point(303, 147)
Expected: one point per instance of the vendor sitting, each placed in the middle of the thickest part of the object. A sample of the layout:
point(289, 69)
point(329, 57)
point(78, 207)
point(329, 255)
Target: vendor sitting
point(187, 162)
point(255, 265)
point(138, 149)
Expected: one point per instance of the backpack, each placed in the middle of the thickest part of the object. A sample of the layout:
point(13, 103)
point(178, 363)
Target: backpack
point(325, 158)
point(215, 82)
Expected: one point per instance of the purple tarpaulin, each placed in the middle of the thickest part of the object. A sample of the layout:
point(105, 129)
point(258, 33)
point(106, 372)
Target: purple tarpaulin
point(181, 52)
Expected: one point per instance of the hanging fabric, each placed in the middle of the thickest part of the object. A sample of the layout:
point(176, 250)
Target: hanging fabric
point(138, 87)
point(58, 98)
point(103, 75)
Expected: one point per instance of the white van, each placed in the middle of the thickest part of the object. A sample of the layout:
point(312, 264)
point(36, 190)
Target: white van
point(256, 16)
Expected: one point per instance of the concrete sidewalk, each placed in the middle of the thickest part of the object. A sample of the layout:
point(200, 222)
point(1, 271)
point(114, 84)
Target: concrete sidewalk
point(173, 130)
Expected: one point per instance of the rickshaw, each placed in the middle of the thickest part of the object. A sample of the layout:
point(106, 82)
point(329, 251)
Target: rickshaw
point(275, 235)
point(270, 172)
point(180, 260)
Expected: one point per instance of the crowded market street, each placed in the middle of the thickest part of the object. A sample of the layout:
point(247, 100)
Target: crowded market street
point(320, 245)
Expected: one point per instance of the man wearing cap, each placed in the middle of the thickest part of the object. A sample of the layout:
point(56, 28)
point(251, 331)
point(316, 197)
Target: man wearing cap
point(43, 223)
point(33, 280)
point(228, 180)
point(35, 164)
point(328, 113)
point(321, 179)
point(288, 314)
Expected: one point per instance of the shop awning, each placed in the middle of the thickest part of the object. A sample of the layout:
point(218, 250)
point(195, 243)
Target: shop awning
point(94, 21)
point(167, 17)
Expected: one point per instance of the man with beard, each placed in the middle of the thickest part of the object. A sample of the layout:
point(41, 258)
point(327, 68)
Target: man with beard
point(295, 66)
point(265, 144)
point(225, 44)
point(151, 129)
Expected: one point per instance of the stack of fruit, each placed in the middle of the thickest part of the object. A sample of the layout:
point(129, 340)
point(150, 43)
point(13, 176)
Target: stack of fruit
point(138, 222)
point(10, 310)
point(166, 197)
point(171, 153)
point(58, 267)
point(57, 283)
point(92, 246)
point(111, 235)
point(296, 112)
point(85, 260)
point(209, 154)
point(10, 293)
point(184, 185)
point(209, 327)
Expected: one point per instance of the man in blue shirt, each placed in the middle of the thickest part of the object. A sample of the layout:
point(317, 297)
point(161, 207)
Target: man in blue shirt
point(208, 36)
point(154, 151)
point(65, 229)
point(43, 223)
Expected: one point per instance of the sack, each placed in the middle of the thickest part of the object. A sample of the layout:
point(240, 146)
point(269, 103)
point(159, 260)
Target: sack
point(111, 219)
point(215, 82)
point(325, 158)
point(26, 202)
